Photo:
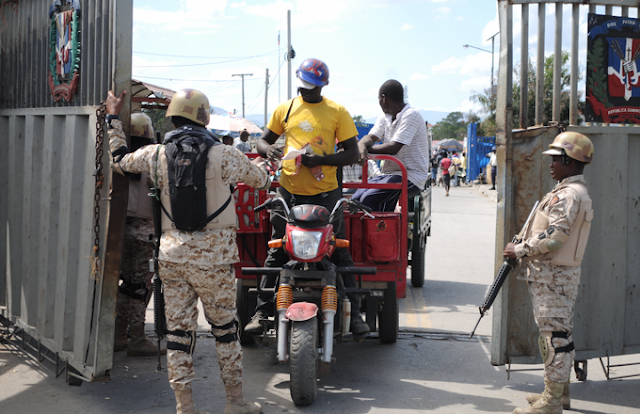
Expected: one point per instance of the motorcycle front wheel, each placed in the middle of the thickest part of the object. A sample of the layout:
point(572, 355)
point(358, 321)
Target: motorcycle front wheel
point(303, 362)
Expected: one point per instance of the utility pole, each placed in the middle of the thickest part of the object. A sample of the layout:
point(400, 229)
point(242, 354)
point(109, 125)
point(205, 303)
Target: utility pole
point(242, 75)
point(279, 57)
point(493, 39)
point(266, 94)
point(289, 53)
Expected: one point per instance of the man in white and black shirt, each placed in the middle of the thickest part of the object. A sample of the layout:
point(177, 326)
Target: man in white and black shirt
point(403, 134)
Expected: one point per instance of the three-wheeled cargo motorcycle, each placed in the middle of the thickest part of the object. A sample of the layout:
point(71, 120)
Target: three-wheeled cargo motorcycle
point(311, 308)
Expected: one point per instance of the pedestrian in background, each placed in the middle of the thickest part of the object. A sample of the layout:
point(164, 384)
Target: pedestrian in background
point(445, 163)
point(242, 142)
point(493, 163)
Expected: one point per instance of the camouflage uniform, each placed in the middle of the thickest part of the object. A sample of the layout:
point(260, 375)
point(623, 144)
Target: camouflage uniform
point(196, 264)
point(137, 251)
point(553, 288)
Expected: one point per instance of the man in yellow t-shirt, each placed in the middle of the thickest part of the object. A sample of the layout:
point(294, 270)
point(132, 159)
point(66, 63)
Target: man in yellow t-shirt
point(314, 123)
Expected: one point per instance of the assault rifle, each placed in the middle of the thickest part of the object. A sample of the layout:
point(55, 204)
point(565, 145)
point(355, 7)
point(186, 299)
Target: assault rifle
point(508, 264)
point(159, 320)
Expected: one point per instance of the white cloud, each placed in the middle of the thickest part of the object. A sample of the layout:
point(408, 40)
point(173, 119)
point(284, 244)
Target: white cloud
point(406, 26)
point(467, 106)
point(193, 16)
point(444, 10)
point(476, 64)
point(478, 83)
point(448, 66)
point(324, 29)
point(273, 11)
point(418, 77)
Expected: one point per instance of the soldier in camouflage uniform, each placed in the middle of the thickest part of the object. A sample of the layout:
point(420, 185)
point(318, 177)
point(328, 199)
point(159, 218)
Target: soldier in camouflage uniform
point(552, 251)
point(135, 290)
point(196, 264)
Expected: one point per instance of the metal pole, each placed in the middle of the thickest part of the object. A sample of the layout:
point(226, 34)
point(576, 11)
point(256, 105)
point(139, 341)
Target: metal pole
point(524, 68)
point(540, 66)
point(289, 53)
point(557, 66)
point(493, 41)
point(242, 75)
point(573, 97)
point(279, 57)
point(266, 95)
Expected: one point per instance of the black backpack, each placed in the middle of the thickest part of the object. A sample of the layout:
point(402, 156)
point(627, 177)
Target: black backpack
point(187, 153)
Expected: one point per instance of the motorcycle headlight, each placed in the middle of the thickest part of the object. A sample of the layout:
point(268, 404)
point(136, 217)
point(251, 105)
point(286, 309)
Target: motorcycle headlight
point(305, 243)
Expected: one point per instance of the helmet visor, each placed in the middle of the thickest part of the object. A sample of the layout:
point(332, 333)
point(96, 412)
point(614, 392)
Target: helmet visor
point(304, 84)
point(553, 151)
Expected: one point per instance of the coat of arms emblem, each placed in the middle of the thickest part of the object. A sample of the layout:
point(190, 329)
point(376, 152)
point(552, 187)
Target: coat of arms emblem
point(613, 78)
point(64, 49)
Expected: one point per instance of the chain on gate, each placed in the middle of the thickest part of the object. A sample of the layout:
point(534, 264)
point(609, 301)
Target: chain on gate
point(99, 181)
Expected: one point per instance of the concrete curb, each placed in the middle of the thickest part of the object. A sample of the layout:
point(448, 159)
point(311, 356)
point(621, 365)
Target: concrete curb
point(484, 189)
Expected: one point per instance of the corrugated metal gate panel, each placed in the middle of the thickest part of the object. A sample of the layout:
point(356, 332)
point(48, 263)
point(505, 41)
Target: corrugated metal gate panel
point(47, 183)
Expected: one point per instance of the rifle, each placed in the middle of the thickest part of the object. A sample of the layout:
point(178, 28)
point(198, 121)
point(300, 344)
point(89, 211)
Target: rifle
point(508, 264)
point(159, 319)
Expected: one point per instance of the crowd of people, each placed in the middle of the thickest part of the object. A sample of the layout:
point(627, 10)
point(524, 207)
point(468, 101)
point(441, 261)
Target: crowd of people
point(447, 167)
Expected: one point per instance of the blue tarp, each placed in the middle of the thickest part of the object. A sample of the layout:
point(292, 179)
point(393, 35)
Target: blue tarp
point(363, 129)
point(477, 150)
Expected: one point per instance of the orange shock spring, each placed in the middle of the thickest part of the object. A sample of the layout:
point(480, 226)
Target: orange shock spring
point(329, 298)
point(285, 297)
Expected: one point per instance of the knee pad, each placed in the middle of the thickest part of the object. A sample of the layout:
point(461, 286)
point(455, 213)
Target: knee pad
point(177, 346)
point(548, 350)
point(230, 337)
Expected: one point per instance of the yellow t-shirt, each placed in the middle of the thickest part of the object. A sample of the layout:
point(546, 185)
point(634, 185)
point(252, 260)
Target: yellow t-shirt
point(317, 124)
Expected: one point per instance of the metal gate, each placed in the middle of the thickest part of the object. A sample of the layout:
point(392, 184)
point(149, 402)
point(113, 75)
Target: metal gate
point(478, 148)
point(56, 297)
point(607, 314)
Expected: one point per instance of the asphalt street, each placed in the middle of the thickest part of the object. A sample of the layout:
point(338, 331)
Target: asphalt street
point(433, 368)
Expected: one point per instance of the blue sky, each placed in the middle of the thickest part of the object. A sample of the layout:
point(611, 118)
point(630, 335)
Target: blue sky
point(202, 43)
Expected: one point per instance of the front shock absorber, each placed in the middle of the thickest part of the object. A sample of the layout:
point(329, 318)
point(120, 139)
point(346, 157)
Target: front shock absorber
point(284, 299)
point(329, 308)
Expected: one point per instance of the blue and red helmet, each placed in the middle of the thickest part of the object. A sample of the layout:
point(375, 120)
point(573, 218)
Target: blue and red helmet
point(313, 71)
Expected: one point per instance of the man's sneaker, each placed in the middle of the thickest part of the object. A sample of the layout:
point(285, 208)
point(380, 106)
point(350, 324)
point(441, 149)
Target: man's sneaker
point(255, 327)
point(358, 326)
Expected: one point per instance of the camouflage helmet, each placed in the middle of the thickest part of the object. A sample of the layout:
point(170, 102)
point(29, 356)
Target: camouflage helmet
point(191, 104)
point(141, 126)
point(574, 145)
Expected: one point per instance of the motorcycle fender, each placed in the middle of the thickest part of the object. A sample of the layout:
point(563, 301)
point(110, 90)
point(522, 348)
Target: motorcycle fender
point(301, 311)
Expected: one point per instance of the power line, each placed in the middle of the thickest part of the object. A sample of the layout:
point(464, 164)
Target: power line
point(207, 57)
point(194, 80)
point(205, 64)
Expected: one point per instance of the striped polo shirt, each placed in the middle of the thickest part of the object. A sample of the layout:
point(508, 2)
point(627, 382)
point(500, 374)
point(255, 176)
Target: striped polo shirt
point(410, 130)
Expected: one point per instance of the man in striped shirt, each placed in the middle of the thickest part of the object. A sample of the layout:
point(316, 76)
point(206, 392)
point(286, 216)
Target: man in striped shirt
point(402, 133)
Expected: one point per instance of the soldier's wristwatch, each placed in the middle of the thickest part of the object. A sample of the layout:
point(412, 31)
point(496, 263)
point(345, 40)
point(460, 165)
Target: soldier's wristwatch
point(111, 118)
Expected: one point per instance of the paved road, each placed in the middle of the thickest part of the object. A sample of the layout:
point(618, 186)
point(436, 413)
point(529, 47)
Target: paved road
point(433, 368)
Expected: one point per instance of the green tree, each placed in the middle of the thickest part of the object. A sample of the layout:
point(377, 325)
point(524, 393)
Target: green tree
point(453, 126)
point(359, 119)
point(487, 126)
point(488, 103)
